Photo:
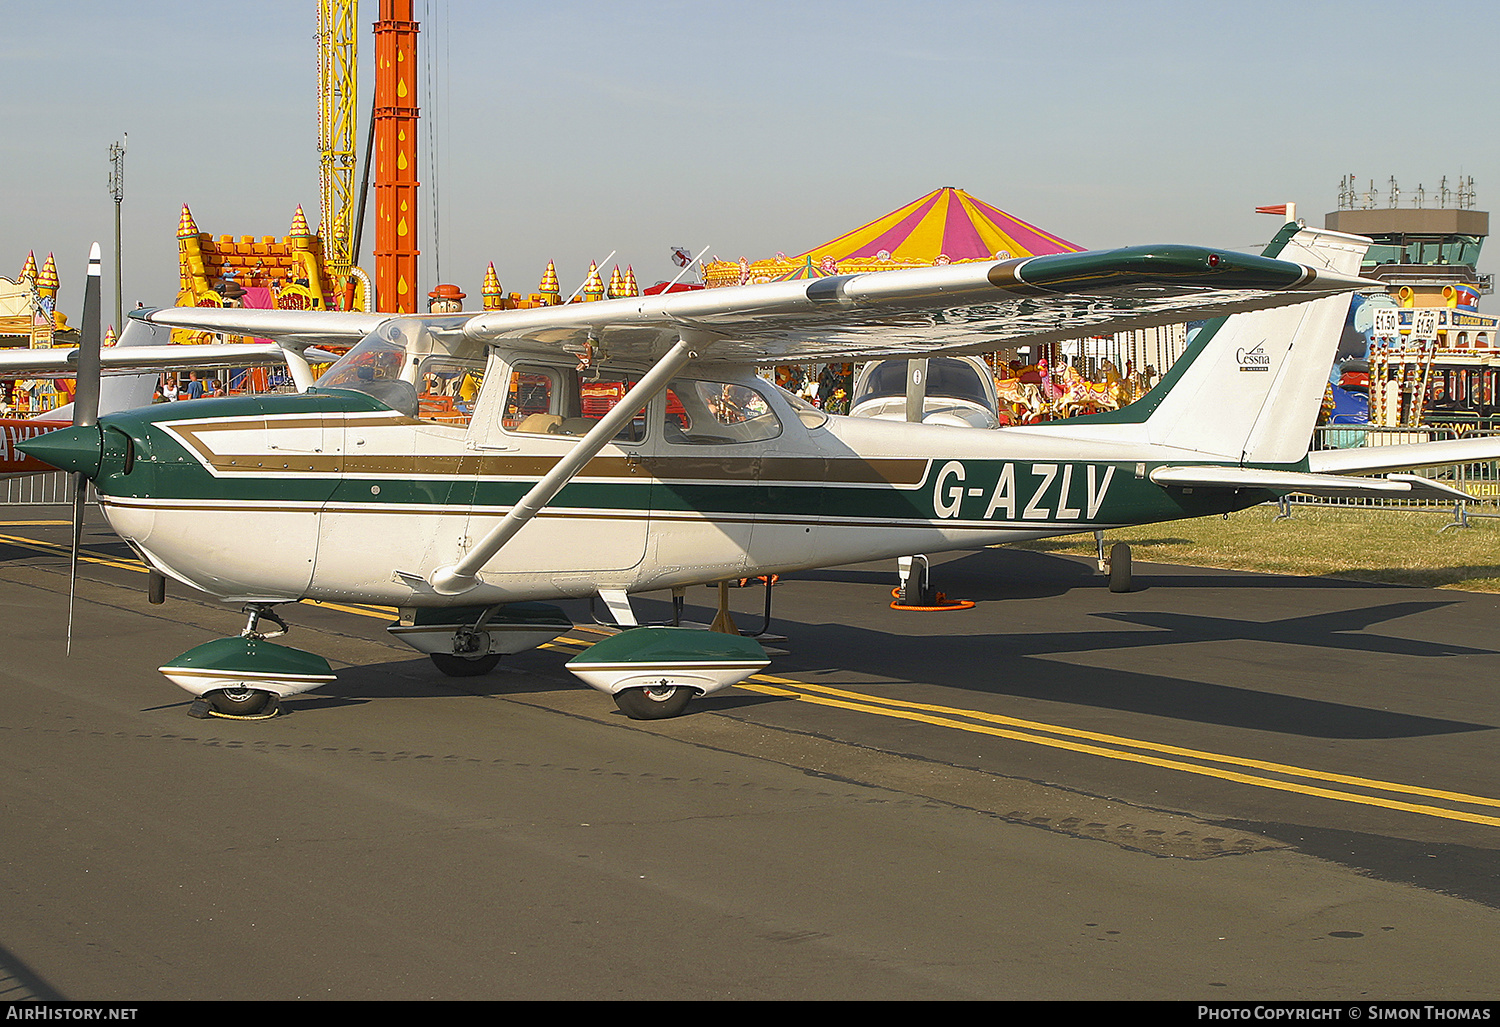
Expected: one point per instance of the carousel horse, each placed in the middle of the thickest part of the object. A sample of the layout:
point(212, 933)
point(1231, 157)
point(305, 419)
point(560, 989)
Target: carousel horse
point(1022, 399)
point(1081, 396)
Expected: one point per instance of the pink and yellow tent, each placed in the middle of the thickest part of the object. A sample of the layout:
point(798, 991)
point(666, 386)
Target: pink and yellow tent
point(945, 226)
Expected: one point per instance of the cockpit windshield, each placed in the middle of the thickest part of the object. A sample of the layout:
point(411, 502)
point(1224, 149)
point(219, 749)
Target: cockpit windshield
point(387, 363)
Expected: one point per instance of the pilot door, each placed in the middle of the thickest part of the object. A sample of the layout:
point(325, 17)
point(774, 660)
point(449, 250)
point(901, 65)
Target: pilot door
point(409, 479)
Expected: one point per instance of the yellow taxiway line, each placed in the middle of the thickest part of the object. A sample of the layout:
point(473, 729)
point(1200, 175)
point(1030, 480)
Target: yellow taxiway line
point(1115, 747)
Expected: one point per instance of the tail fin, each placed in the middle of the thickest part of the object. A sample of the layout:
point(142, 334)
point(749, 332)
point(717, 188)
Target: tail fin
point(1249, 386)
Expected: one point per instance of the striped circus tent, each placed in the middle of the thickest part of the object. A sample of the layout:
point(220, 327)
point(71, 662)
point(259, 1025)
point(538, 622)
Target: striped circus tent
point(945, 226)
point(807, 269)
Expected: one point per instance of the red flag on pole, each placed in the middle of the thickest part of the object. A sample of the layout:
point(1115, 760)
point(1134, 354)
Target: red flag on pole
point(1280, 208)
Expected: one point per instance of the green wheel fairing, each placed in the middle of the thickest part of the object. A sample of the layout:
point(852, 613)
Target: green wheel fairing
point(655, 645)
point(251, 657)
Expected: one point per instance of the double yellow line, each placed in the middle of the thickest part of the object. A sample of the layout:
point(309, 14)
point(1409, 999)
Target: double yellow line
point(1286, 778)
point(1259, 773)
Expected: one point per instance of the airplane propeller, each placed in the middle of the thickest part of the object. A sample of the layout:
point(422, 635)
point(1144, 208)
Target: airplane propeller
point(85, 411)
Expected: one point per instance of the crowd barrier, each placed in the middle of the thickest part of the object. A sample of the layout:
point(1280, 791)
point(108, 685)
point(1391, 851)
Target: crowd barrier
point(38, 490)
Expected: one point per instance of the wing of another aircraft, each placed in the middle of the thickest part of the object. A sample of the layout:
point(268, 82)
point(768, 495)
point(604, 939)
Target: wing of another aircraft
point(63, 362)
point(952, 309)
point(291, 327)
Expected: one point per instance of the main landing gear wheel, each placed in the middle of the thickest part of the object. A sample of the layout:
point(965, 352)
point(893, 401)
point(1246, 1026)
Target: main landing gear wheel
point(239, 702)
point(1119, 567)
point(464, 666)
point(654, 702)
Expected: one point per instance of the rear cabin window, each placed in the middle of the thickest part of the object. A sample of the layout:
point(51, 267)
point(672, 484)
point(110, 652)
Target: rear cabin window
point(553, 401)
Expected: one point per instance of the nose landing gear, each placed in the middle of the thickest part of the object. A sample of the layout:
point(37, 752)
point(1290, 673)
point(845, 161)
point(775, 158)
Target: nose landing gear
point(246, 677)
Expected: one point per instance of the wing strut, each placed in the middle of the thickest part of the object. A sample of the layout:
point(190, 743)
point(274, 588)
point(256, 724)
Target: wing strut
point(462, 576)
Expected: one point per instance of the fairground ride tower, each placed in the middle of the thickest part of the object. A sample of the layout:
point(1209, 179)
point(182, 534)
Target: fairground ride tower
point(337, 157)
point(396, 158)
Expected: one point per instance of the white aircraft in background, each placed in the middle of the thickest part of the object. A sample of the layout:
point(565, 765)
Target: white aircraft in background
point(627, 446)
point(934, 390)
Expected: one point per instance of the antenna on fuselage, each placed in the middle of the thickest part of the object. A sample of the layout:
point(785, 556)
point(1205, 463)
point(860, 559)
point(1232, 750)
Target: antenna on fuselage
point(585, 283)
point(668, 287)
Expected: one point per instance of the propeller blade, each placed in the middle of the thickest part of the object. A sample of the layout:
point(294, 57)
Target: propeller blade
point(80, 491)
point(85, 411)
point(86, 395)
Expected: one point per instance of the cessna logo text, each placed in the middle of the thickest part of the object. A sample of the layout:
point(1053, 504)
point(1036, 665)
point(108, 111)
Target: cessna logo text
point(1253, 359)
point(1034, 492)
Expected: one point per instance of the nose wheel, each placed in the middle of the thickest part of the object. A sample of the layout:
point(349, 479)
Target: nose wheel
point(239, 703)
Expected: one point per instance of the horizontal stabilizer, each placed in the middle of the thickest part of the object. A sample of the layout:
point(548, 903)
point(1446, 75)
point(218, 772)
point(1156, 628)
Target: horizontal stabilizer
point(1413, 454)
point(1328, 486)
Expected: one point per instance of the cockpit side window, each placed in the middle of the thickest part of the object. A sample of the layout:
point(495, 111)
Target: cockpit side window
point(384, 364)
point(448, 390)
point(533, 403)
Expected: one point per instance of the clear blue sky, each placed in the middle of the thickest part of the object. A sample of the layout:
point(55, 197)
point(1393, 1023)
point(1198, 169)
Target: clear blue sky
point(569, 129)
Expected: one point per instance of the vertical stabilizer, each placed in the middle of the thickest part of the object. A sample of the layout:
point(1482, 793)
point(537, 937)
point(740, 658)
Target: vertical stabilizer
point(1249, 387)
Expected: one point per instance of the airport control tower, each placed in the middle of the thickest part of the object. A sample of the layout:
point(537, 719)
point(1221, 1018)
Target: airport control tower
point(1417, 247)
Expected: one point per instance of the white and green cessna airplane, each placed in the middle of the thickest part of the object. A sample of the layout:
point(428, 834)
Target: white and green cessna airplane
point(462, 467)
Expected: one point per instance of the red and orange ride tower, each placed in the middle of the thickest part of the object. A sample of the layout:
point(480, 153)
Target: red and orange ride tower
point(396, 158)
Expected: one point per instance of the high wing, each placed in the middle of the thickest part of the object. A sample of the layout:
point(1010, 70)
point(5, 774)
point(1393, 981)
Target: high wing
point(952, 309)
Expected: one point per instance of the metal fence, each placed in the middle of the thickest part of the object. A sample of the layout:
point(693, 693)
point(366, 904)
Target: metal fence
point(38, 490)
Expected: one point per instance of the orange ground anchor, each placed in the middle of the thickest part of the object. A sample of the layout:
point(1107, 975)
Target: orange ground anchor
point(917, 591)
point(940, 603)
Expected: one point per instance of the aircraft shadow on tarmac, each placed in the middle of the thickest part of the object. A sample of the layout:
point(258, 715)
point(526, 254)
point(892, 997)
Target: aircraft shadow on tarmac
point(1016, 663)
point(416, 678)
point(522, 674)
point(1006, 573)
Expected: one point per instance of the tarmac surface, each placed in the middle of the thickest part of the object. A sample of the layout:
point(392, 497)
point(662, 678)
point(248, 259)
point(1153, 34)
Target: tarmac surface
point(1218, 786)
